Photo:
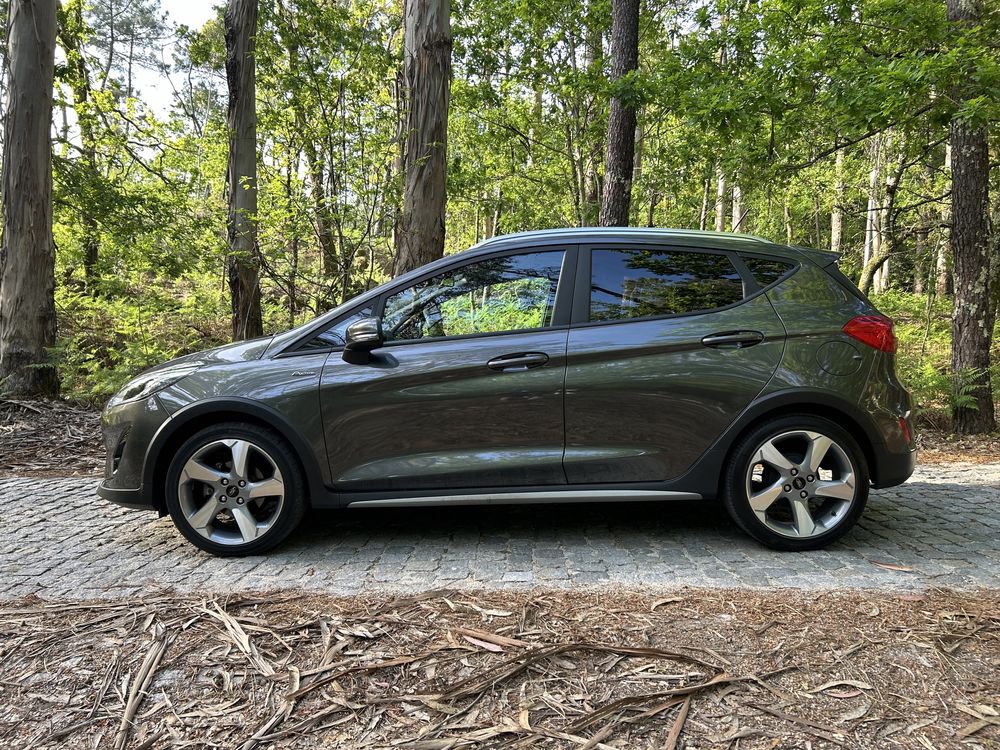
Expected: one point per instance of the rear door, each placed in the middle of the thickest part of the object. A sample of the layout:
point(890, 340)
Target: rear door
point(467, 391)
point(668, 345)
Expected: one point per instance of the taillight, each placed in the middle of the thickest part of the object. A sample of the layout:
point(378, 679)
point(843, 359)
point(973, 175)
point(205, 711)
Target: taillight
point(874, 330)
point(906, 430)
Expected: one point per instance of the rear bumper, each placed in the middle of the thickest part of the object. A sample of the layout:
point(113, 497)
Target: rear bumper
point(894, 468)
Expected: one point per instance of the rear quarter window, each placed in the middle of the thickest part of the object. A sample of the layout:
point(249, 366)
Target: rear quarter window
point(767, 271)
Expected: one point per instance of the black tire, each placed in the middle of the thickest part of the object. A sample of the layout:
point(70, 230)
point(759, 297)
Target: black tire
point(735, 494)
point(285, 519)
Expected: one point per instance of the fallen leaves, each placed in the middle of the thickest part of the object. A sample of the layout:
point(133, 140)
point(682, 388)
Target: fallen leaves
point(452, 670)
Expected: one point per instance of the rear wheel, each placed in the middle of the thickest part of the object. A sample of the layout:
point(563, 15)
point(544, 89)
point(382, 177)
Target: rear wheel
point(796, 483)
point(235, 489)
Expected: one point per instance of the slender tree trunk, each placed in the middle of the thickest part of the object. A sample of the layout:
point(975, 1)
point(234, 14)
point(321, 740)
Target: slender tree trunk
point(720, 201)
point(920, 261)
point(942, 282)
point(27, 255)
point(837, 213)
point(786, 215)
point(79, 80)
point(975, 308)
point(871, 212)
point(703, 216)
point(427, 61)
point(593, 65)
point(620, 161)
point(243, 263)
point(739, 213)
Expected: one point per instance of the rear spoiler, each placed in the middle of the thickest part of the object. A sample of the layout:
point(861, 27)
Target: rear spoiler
point(821, 258)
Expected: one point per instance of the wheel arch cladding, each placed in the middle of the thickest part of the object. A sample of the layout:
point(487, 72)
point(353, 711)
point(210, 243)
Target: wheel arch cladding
point(202, 414)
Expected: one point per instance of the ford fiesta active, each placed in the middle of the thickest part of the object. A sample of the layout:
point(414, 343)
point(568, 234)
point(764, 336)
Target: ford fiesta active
point(560, 366)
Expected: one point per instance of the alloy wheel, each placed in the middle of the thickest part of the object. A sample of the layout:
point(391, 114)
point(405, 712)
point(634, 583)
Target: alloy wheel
point(231, 491)
point(801, 483)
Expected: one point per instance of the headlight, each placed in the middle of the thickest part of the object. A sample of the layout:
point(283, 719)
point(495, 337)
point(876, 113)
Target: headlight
point(150, 383)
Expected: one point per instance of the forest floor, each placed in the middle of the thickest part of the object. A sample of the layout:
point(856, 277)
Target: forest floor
point(442, 670)
point(601, 666)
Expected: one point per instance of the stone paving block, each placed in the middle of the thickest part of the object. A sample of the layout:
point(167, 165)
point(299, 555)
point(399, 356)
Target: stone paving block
point(57, 539)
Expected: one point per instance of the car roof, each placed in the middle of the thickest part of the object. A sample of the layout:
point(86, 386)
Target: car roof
point(695, 237)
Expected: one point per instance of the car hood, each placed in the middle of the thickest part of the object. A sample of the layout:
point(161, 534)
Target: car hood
point(238, 351)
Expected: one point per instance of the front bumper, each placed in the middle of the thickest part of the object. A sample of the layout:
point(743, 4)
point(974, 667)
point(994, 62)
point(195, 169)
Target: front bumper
point(127, 498)
point(128, 430)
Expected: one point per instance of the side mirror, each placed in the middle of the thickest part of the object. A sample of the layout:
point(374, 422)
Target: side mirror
point(362, 337)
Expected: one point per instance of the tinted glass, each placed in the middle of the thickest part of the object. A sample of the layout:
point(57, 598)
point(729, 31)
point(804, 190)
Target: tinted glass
point(511, 293)
point(766, 270)
point(643, 283)
point(335, 336)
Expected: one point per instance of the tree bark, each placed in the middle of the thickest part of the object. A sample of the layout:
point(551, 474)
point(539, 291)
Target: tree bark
point(27, 255)
point(739, 211)
point(975, 310)
point(243, 263)
point(837, 213)
point(427, 66)
point(620, 159)
point(942, 282)
point(590, 167)
point(720, 201)
point(703, 216)
point(79, 81)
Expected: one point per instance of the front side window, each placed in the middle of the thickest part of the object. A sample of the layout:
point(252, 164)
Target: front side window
point(643, 283)
point(335, 336)
point(495, 295)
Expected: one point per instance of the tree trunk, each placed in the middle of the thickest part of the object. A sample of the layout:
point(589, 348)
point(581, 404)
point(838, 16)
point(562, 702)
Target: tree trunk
point(739, 213)
point(243, 262)
point(27, 255)
point(720, 201)
point(427, 63)
point(703, 216)
point(872, 236)
point(620, 160)
point(79, 80)
point(837, 213)
point(593, 66)
point(975, 309)
point(942, 282)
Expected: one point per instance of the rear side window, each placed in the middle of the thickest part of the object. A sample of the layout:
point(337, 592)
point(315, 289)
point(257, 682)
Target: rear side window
point(643, 283)
point(767, 270)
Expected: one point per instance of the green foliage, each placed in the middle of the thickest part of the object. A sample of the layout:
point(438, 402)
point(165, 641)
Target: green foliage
point(761, 93)
point(105, 341)
point(923, 358)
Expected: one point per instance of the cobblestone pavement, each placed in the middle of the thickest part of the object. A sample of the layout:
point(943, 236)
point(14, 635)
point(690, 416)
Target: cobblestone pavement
point(57, 539)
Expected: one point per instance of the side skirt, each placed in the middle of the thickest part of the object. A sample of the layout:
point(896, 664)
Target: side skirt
point(527, 498)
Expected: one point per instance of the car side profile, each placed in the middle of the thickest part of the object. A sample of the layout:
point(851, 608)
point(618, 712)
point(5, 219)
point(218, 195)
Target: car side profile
point(597, 364)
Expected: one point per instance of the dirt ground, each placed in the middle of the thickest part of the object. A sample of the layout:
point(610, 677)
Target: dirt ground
point(699, 669)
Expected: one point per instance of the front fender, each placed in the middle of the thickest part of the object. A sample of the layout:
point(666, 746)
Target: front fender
point(200, 414)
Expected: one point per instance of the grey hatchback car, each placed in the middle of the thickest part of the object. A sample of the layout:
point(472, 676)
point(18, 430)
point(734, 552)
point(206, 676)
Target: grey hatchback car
point(557, 366)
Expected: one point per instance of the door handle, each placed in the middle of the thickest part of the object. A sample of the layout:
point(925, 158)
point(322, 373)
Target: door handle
point(518, 362)
point(733, 339)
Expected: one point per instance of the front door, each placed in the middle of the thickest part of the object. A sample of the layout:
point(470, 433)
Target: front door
point(467, 391)
point(671, 348)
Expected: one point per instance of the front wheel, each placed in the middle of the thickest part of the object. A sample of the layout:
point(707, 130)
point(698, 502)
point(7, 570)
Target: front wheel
point(796, 483)
point(235, 489)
